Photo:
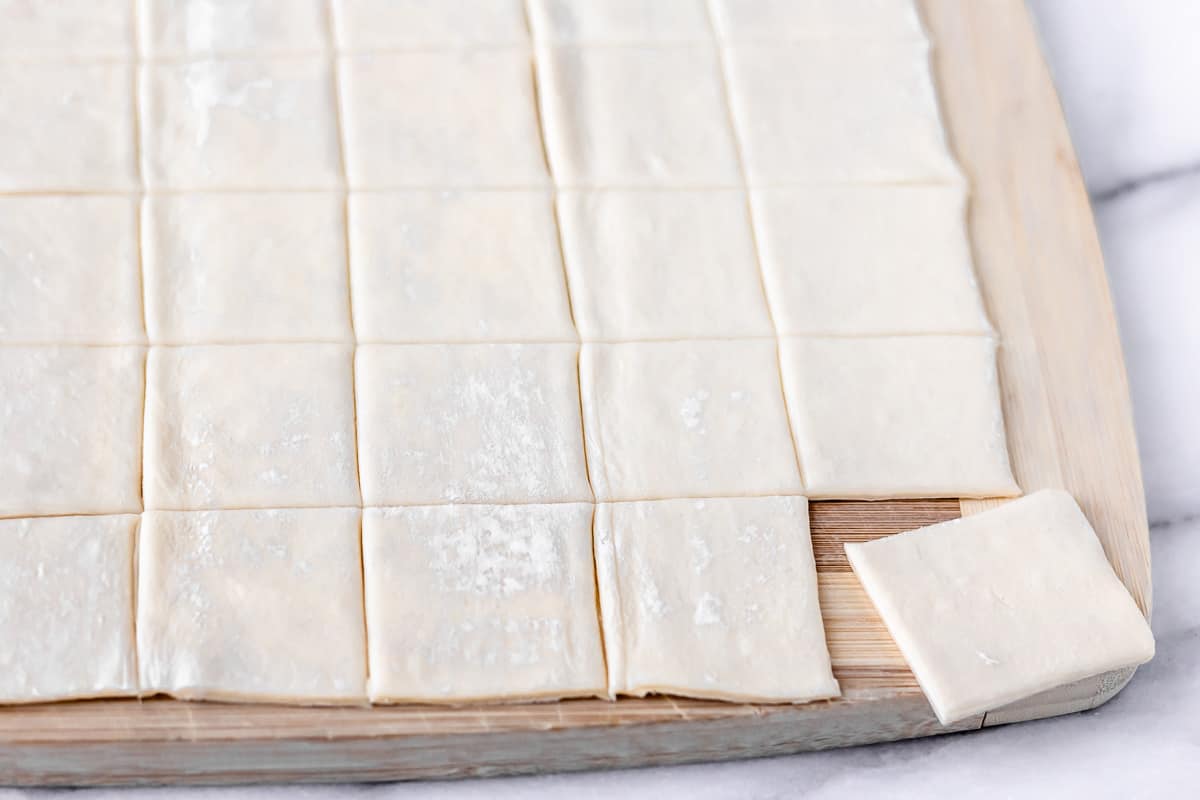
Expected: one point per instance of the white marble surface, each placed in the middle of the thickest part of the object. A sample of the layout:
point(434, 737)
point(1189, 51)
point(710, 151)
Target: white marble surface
point(1129, 75)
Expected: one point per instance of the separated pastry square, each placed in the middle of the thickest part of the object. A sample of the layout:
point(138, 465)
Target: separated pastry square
point(912, 416)
point(636, 116)
point(620, 21)
point(83, 139)
point(662, 265)
point(823, 111)
point(712, 598)
point(403, 24)
point(756, 20)
point(1001, 605)
point(245, 267)
point(481, 602)
point(258, 426)
point(868, 260)
point(174, 28)
point(66, 608)
point(477, 423)
point(67, 30)
point(71, 427)
point(240, 124)
point(441, 118)
point(685, 419)
point(262, 604)
point(70, 267)
point(457, 266)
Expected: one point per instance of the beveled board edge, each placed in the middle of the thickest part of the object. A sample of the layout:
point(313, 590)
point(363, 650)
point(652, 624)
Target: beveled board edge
point(1042, 275)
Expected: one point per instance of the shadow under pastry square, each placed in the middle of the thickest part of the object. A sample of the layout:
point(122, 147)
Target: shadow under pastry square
point(457, 266)
point(481, 602)
point(477, 423)
point(66, 608)
point(252, 605)
point(441, 118)
point(896, 417)
point(686, 419)
point(250, 426)
point(70, 266)
point(712, 598)
point(243, 267)
point(240, 123)
point(71, 424)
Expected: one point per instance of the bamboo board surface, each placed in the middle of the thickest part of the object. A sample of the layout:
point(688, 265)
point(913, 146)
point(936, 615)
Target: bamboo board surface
point(1069, 425)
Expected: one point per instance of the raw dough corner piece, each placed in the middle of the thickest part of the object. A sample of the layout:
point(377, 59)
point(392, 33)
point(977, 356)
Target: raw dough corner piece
point(1001, 605)
point(70, 266)
point(662, 265)
point(478, 602)
point(636, 116)
point(66, 608)
point(828, 111)
point(250, 426)
point(712, 598)
point(406, 24)
point(67, 30)
point(619, 22)
point(245, 268)
point(182, 28)
point(71, 427)
point(815, 19)
point(457, 266)
point(894, 417)
point(262, 605)
point(240, 124)
point(686, 419)
point(470, 423)
point(441, 118)
point(868, 260)
point(83, 139)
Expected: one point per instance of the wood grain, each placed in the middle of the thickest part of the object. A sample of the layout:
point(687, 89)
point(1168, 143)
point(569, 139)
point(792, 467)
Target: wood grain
point(1069, 424)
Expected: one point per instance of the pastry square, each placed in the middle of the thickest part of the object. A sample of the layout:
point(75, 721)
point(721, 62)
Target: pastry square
point(685, 419)
point(70, 267)
point(83, 139)
point(417, 274)
point(474, 423)
point(71, 424)
point(67, 30)
point(662, 265)
point(868, 260)
point(262, 604)
point(481, 602)
point(245, 267)
point(911, 416)
point(66, 608)
point(712, 598)
point(240, 124)
point(620, 21)
point(808, 19)
point(404, 24)
point(822, 111)
point(636, 116)
point(442, 118)
point(174, 28)
point(1001, 605)
point(250, 426)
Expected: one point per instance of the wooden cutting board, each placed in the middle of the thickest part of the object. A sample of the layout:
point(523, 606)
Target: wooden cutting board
point(1069, 425)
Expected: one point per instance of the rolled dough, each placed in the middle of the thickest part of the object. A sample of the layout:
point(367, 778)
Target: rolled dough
point(712, 598)
point(261, 605)
point(685, 419)
point(407, 24)
point(66, 29)
point(481, 603)
point(250, 426)
point(66, 608)
point(1001, 605)
point(620, 21)
point(203, 27)
point(809, 19)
